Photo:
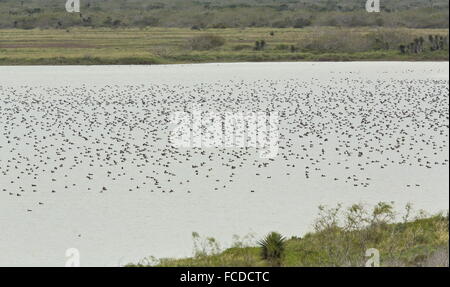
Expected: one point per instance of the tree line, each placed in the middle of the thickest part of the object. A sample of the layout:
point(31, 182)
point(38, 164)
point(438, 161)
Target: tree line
point(201, 14)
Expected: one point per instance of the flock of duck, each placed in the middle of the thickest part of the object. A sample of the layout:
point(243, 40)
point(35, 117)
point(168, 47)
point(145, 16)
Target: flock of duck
point(116, 138)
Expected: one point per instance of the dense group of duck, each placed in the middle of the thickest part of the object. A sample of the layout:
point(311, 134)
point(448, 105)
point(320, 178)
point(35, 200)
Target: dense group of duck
point(116, 138)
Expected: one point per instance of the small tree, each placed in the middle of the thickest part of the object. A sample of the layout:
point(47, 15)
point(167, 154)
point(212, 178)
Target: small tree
point(256, 48)
point(421, 43)
point(263, 44)
point(260, 45)
point(436, 42)
point(431, 39)
point(441, 43)
point(416, 46)
point(411, 47)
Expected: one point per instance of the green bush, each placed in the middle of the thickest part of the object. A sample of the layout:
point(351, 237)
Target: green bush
point(301, 23)
point(272, 248)
point(341, 237)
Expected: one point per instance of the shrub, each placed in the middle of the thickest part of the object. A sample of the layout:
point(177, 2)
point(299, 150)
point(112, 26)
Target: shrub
point(301, 23)
point(272, 248)
point(335, 40)
point(260, 45)
point(342, 237)
point(242, 47)
point(205, 42)
point(147, 21)
point(385, 39)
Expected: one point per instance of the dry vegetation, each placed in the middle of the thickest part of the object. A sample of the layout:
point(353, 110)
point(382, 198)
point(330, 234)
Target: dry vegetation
point(200, 14)
point(178, 45)
point(341, 237)
point(34, 32)
point(205, 42)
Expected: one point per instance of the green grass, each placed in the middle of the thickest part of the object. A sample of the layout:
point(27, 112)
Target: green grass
point(103, 46)
point(341, 238)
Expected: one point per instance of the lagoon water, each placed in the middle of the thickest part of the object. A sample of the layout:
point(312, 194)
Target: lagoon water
point(86, 163)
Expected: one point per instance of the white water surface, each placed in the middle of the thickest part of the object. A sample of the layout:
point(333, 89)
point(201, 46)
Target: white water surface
point(120, 226)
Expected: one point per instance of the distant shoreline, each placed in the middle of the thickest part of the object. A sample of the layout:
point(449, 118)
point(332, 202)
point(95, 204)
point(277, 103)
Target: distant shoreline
point(154, 46)
point(126, 63)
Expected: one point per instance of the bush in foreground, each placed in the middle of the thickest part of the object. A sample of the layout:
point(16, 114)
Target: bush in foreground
point(341, 237)
point(272, 248)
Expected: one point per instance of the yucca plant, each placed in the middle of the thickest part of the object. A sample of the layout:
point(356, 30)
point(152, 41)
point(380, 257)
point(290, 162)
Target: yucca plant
point(272, 247)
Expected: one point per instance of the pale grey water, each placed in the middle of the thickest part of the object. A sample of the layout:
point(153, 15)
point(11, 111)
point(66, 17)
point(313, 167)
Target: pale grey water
point(120, 226)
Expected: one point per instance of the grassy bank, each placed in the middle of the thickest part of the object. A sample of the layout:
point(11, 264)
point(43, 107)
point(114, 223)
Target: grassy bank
point(104, 46)
point(341, 237)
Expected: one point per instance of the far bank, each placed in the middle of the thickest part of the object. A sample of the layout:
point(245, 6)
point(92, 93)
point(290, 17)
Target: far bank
point(84, 46)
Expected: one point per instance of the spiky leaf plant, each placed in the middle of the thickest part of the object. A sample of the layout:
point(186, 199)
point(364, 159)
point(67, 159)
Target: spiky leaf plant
point(272, 247)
